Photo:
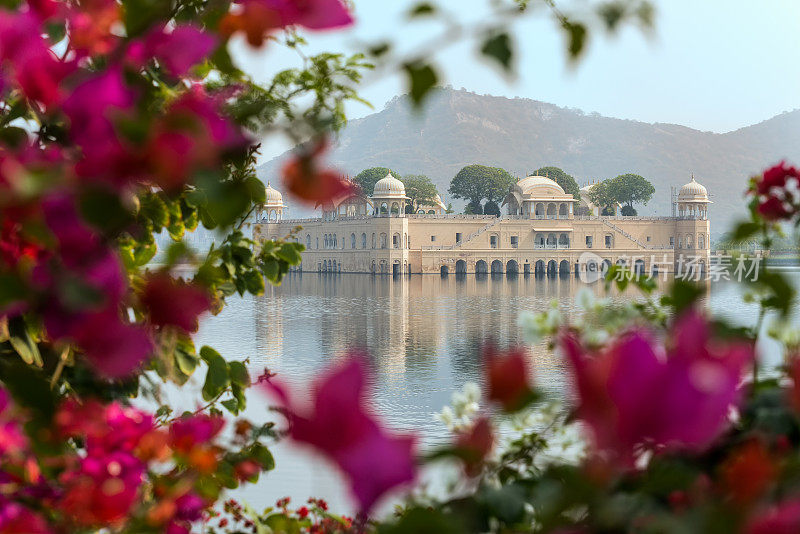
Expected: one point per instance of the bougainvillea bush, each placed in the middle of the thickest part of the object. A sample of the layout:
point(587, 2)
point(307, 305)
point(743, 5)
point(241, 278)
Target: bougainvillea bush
point(124, 120)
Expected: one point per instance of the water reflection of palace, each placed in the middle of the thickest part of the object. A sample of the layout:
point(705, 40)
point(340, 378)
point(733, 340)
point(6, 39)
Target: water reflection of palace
point(422, 332)
point(540, 233)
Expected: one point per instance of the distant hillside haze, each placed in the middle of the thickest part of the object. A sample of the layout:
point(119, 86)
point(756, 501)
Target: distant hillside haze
point(459, 128)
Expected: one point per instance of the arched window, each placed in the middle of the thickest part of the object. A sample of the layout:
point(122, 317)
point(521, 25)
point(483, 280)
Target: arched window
point(689, 241)
point(701, 242)
point(352, 240)
point(383, 240)
point(563, 241)
point(373, 240)
point(308, 240)
point(562, 211)
point(363, 240)
point(317, 246)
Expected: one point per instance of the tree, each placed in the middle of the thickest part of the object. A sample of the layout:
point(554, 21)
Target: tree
point(419, 190)
point(473, 208)
point(630, 189)
point(566, 181)
point(628, 211)
point(492, 208)
point(478, 182)
point(367, 178)
point(499, 185)
point(600, 195)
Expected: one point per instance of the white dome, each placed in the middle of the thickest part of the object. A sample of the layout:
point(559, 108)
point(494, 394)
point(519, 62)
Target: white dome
point(693, 191)
point(389, 187)
point(527, 185)
point(273, 197)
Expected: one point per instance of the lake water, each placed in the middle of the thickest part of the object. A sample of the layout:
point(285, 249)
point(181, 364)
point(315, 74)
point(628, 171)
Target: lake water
point(423, 334)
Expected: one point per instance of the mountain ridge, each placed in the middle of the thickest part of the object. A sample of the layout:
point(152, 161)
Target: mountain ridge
point(458, 128)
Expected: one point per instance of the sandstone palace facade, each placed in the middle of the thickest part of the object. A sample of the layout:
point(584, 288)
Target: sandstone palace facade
point(539, 234)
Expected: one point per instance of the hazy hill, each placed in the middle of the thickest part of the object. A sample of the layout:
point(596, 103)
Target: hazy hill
point(459, 128)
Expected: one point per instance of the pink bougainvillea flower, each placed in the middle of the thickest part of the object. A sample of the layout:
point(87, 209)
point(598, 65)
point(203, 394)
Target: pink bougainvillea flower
point(177, 51)
point(92, 109)
point(192, 134)
point(101, 490)
point(174, 302)
point(17, 519)
point(256, 18)
point(13, 441)
point(783, 518)
point(103, 428)
point(307, 182)
point(113, 346)
point(777, 192)
point(90, 26)
point(634, 393)
point(31, 65)
point(191, 431)
point(475, 444)
point(14, 246)
point(748, 472)
point(777, 176)
point(339, 425)
point(506, 377)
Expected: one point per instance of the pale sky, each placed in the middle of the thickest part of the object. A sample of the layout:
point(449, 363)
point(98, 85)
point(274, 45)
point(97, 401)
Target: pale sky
point(713, 65)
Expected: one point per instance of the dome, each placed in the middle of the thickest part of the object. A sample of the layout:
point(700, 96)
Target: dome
point(389, 187)
point(693, 191)
point(527, 185)
point(273, 197)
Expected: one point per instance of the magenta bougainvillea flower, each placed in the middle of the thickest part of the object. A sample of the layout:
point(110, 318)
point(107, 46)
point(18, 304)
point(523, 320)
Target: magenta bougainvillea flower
point(506, 377)
point(192, 134)
point(777, 192)
point(177, 51)
point(16, 519)
point(339, 425)
point(256, 18)
point(475, 444)
point(637, 393)
point(102, 489)
point(195, 430)
point(13, 441)
point(306, 181)
point(29, 62)
point(174, 302)
point(92, 109)
point(113, 346)
point(783, 518)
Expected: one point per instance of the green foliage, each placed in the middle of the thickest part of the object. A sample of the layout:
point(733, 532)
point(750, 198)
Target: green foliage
point(499, 48)
point(478, 182)
point(491, 208)
point(421, 78)
point(419, 190)
point(566, 181)
point(629, 189)
point(628, 211)
point(600, 195)
point(367, 178)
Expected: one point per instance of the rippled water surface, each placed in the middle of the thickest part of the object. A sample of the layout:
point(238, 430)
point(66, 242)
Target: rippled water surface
point(423, 335)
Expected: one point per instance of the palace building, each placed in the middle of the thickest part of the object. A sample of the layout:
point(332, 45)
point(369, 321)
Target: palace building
point(540, 233)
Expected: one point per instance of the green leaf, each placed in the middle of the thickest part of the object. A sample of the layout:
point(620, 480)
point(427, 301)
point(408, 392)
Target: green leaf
point(238, 373)
point(499, 48)
point(422, 9)
point(154, 209)
point(290, 253)
point(217, 378)
point(23, 342)
point(745, 230)
point(576, 38)
point(185, 356)
point(139, 15)
point(421, 80)
point(258, 193)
